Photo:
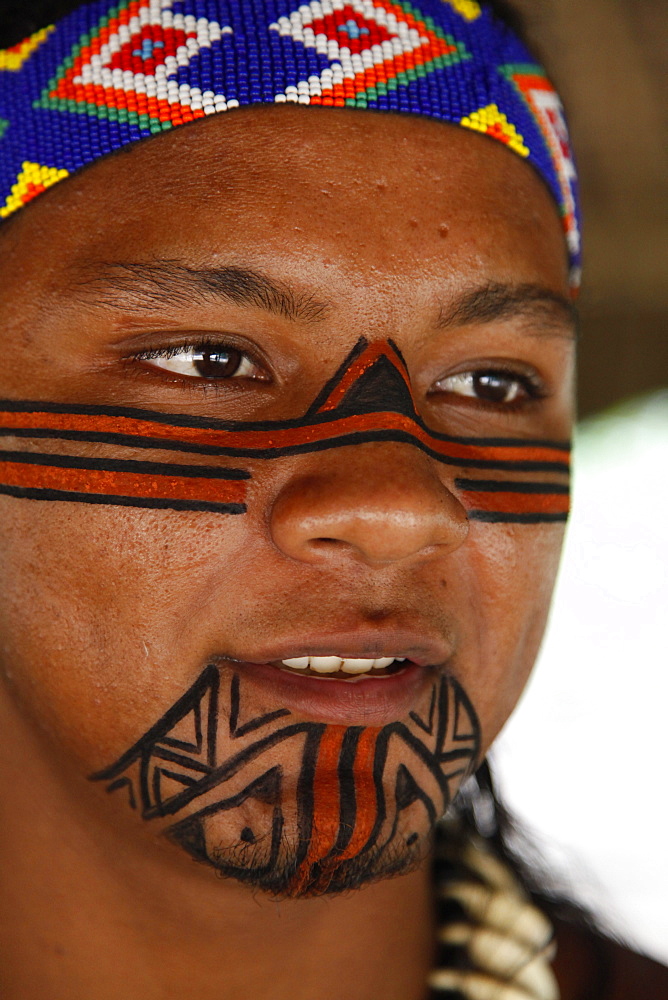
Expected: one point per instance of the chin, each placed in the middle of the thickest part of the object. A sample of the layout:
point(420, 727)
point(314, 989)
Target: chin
point(293, 806)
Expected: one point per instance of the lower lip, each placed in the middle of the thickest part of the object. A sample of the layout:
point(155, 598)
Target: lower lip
point(364, 701)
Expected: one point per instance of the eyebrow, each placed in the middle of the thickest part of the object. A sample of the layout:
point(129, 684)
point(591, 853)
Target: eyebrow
point(170, 282)
point(495, 301)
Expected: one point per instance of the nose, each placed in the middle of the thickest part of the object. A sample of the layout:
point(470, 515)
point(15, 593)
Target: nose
point(377, 502)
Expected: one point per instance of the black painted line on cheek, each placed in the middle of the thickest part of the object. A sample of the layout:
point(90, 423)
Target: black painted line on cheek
point(62, 496)
point(372, 376)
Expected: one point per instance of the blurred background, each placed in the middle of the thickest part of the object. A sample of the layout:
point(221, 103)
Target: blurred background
point(609, 59)
point(583, 759)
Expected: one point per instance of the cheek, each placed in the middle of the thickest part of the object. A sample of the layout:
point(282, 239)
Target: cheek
point(511, 571)
point(97, 606)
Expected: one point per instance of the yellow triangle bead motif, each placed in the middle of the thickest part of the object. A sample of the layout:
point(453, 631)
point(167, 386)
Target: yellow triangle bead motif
point(14, 58)
point(470, 10)
point(33, 180)
point(491, 121)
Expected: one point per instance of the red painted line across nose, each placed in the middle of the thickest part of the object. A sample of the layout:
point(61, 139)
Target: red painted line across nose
point(271, 441)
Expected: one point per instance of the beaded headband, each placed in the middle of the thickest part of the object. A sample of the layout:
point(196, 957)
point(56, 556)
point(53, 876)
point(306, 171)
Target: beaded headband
point(110, 74)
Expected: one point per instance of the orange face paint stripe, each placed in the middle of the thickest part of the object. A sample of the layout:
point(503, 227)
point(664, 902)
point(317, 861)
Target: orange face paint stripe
point(326, 801)
point(516, 503)
point(269, 442)
point(345, 412)
point(365, 794)
point(34, 474)
point(356, 369)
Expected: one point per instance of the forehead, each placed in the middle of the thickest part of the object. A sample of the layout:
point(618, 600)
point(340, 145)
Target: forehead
point(355, 196)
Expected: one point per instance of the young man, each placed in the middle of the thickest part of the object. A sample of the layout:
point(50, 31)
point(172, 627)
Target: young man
point(287, 397)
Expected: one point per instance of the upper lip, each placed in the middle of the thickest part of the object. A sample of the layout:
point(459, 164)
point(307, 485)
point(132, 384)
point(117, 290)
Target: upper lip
point(420, 648)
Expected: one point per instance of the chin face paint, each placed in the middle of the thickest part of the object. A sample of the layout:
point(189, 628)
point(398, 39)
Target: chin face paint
point(295, 807)
point(368, 399)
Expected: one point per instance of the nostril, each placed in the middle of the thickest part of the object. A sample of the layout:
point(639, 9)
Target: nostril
point(369, 517)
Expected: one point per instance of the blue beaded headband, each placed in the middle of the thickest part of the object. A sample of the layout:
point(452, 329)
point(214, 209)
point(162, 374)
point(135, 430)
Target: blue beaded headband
point(110, 74)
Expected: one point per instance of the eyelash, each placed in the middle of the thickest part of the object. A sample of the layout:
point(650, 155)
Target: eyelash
point(532, 384)
point(199, 347)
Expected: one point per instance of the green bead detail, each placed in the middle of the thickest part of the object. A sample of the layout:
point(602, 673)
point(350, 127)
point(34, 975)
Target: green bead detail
point(58, 104)
point(409, 8)
point(529, 69)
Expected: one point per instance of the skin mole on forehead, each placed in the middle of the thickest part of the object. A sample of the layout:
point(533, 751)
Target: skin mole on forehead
point(245, 257)
point(232, 181)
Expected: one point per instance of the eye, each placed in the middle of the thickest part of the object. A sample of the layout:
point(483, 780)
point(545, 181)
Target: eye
point(500, 388)
point(203, 361)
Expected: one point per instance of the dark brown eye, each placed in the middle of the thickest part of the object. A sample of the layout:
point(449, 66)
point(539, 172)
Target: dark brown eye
point(204, 362)
point(491, 386)
point(217, 364)
point(495, 387)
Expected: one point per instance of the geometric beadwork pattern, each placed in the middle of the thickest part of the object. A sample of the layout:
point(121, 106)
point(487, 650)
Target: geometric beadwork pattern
point(13, 59)
point(33, 180)
point(110, 74)
point(491, 121)
point(546, 108)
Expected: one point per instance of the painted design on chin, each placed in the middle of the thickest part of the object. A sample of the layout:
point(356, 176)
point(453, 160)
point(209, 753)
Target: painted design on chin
point(368, 399)
point(360, 799)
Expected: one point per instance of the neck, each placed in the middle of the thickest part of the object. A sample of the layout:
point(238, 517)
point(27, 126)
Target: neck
point(86, 909)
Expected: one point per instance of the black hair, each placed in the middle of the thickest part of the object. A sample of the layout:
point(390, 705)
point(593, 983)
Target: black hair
point(21, 18)
point(481, 812)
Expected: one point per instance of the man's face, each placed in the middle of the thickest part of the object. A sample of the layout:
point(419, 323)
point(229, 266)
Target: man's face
point(388, 295)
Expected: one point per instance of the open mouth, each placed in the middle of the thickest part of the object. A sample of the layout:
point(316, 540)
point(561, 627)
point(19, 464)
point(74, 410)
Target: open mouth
point(342, 667)
point(337, 689)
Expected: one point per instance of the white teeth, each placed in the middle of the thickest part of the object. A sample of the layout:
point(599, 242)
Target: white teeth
point(332, 664)
point(325, 664)
point(357, 666)
point(297, 663)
